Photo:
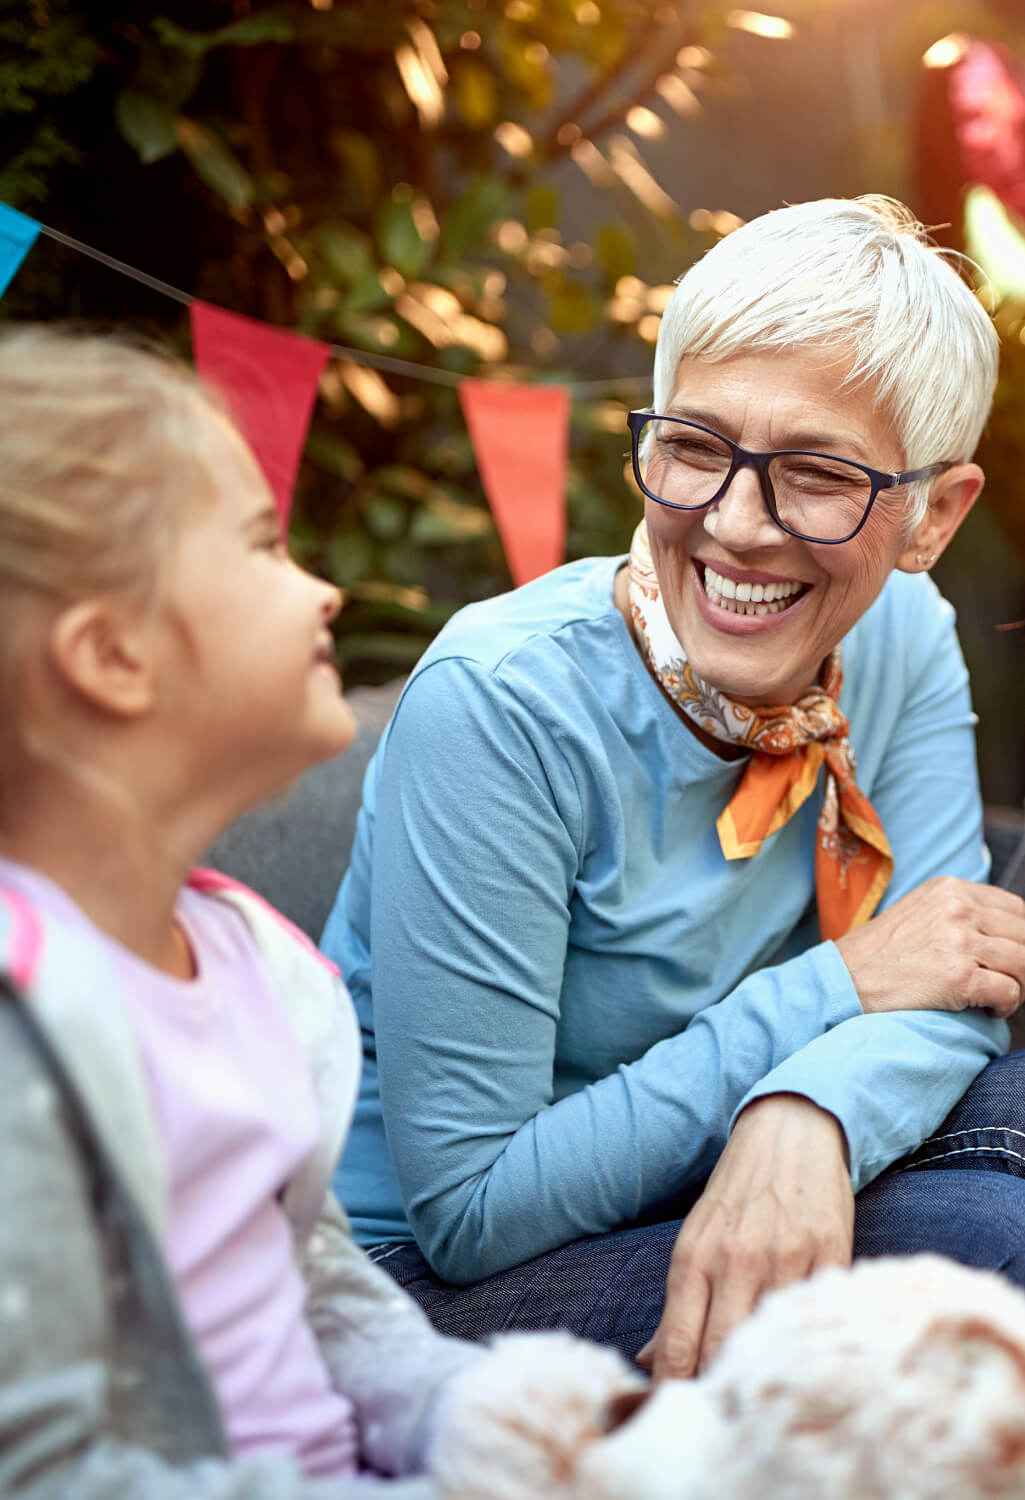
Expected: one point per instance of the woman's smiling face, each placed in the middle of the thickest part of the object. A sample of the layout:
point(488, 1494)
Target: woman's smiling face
point(763, 401)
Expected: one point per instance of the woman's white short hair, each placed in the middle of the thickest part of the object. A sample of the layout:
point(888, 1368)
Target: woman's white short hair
point(854, 273)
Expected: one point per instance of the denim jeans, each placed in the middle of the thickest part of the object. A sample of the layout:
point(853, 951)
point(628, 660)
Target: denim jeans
point(961, 1194)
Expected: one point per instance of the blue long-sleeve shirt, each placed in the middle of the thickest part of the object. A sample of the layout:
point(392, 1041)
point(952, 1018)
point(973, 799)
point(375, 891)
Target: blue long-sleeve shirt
point(566, 992)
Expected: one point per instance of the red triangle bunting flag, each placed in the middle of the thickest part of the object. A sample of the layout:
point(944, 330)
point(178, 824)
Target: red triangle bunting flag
point(269, 380)
point(520, 435)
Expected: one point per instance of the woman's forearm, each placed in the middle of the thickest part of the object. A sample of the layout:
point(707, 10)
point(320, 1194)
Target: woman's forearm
point(493, 1172)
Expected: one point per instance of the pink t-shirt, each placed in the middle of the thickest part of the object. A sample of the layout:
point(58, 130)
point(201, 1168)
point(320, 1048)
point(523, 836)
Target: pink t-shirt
point(236, 1113)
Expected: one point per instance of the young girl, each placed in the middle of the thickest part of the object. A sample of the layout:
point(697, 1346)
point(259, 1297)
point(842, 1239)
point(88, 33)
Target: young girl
point(182, 1310)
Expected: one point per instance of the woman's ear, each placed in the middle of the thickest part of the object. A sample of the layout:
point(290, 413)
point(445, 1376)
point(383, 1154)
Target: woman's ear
point(951, 498)
point(105, 654)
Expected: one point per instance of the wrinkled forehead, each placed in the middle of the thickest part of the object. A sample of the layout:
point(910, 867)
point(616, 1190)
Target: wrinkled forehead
point(816, 396)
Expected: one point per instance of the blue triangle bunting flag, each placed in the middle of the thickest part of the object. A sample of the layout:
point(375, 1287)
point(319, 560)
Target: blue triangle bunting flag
point(17, 236)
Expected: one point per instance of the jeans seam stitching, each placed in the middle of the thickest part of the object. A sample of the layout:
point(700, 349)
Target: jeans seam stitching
point(966, 1151)
point(1004, 1130)
point(394, 1250)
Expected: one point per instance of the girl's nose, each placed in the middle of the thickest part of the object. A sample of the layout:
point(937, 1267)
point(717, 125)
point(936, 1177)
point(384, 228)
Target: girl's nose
point(332, 602)
point(740, 519)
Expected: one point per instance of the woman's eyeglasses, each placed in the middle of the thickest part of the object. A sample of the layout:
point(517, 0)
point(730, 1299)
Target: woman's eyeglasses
point(813, 496)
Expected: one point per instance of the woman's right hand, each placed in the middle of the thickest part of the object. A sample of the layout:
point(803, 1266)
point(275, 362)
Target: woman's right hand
point(951, 944)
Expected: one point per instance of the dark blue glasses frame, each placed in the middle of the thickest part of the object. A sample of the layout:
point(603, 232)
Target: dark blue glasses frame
point(745, 458)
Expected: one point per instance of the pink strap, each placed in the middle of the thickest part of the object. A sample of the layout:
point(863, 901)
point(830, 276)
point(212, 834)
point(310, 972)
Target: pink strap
point(25, 940)
point(209, 882)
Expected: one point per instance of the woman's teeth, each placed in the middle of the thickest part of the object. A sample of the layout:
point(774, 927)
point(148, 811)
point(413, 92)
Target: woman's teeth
point(749, 598)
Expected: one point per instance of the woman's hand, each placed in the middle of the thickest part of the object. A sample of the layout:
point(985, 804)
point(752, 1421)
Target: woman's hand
point(949, 945)
point(778, 1206)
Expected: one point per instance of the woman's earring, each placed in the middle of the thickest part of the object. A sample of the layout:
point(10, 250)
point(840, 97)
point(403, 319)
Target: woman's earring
point(925, 562)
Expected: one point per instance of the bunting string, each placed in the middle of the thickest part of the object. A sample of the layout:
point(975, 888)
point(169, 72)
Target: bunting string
point(384, 362)
point(269, 377)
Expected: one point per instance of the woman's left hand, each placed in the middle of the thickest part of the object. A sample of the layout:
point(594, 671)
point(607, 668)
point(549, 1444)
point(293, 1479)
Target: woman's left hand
point(778, 1206)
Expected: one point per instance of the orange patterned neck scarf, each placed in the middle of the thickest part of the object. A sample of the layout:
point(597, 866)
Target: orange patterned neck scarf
point(789, 746)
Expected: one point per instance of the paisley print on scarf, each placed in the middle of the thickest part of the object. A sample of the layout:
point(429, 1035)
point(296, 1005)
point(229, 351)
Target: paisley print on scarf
point(789, 744)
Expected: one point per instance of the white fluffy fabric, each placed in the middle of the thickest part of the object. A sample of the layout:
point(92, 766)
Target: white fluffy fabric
point(901, 1379)
point(517, 1425)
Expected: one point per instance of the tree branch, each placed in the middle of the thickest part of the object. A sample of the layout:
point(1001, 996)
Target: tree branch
point(551, 149)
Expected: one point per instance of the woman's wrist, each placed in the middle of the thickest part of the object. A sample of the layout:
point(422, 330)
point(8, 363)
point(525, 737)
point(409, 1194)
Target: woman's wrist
point(797, 1111)
point(857, 948)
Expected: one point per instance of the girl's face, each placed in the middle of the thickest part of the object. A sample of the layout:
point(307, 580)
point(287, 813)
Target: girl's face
point(248, 682)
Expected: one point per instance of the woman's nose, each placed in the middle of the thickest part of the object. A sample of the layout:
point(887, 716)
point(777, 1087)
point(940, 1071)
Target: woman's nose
point(740, 519)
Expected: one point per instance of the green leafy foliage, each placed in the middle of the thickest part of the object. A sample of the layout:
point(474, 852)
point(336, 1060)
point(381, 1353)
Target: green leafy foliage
point(271, 25)
point(351, 171)
point(39, 67)
point(399, 241)
point(146, 123)
point(215, 163)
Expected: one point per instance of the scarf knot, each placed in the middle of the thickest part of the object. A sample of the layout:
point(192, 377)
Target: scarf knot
point(789, 745)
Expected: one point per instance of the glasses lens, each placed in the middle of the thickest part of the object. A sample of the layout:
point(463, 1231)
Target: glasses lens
point(820, 497)
point(682, 464)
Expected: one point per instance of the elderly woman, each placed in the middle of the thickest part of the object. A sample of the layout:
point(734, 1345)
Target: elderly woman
point(655, 980)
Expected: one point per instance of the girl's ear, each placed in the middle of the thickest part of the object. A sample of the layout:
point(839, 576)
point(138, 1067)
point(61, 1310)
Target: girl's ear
point(951, 498)
point(105, 654)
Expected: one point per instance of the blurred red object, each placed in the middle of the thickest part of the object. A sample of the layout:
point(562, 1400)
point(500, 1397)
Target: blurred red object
point(971, 131)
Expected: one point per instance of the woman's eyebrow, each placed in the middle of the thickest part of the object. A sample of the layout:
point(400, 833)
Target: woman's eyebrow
point(817, 441)
point(695, 414)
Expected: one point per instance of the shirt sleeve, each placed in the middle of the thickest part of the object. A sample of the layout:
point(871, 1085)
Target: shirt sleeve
point(477, 850)
point(890, 1078)
point(379, 1347)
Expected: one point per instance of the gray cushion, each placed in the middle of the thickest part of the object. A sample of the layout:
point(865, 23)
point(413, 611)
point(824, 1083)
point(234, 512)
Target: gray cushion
point(294, 849)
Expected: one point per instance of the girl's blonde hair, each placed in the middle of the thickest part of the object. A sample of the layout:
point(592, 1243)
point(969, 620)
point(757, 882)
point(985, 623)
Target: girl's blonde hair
point(106, 448)
point(103, 447)
point(855, 274)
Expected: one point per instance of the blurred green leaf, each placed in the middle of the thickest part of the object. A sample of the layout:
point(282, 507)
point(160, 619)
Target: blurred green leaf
point(399, 241)
point(542, 208)
point(367, 294)
point(378, 335)
point(350, 557)
point(214, 163)
point(534, 77)
point(470, 218)
point(385, 516)
point(250, 31)
point(399, 479)
point(615, 252)
point(348, 251)
point(334, 455)
point(476, 93)
point(147, 124)
point(442, 521)
point(449, 452)
point(403, 563)
point(167, 74)
point(360, 162)
point(572, 309)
